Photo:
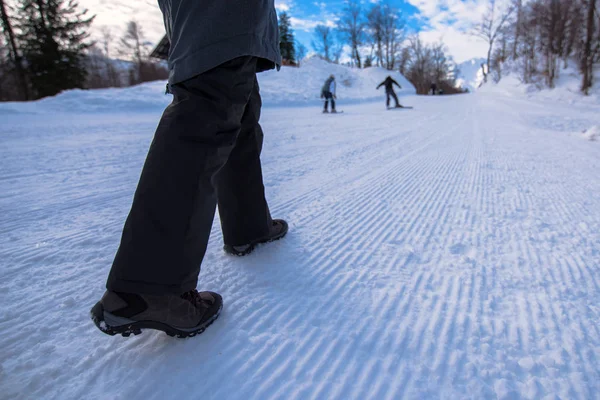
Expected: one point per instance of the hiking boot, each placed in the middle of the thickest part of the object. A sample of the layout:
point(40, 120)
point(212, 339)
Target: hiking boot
point(183, 315)
point(278, 230)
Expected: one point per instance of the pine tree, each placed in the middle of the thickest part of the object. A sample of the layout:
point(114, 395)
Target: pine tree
point(54, 40)
point(286, 38)
point(13, 53)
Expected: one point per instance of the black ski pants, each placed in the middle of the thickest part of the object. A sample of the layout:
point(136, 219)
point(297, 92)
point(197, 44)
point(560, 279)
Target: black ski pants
point(206, 151)
point(388, 94)
point(328, 97)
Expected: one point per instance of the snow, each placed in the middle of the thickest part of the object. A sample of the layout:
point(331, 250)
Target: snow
point(450, 251)
point(289, 86)
point(567, 88)
point(470, 74)
point(303, 85)
point(592, 134)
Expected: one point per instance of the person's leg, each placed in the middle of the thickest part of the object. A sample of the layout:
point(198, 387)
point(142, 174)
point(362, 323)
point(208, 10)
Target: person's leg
point(387, 99)
point(166, 233)
point(395, 99)
point(332, 102)
point(243, 208)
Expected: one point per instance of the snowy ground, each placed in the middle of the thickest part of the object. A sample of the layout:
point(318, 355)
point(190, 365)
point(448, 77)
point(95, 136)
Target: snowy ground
point(450, 251)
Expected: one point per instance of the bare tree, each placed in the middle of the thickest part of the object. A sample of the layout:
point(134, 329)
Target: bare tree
point(133, 46)
point(137, 48)
point(323, 41)
point(518, 6)
point(107, 39)
point(439, 62)
point(337, 50)
point(554, 18)
point(375, 32)
point(351, 27)
point(587, 62)
point(490, 27)
point(385, 28)
point(403, 60)
point(546, 32)
point(393, 34)
point(300, 52)
point(111, 72)
point(95, 66)
point(427, 64)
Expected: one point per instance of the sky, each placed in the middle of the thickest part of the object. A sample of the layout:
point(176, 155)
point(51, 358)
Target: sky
point(446, 20)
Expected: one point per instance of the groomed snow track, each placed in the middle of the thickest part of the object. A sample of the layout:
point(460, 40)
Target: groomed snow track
point(450, 251)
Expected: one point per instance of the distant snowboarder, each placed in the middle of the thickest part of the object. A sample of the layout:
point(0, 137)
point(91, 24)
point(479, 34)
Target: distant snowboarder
point(389, 83)
point(433, 88)
point(328, 93)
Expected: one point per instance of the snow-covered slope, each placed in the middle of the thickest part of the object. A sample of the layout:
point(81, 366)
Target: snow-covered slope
point(303, 85)
point(470, 75)
point(290, 85)
point(450, 251)
point(445, 252)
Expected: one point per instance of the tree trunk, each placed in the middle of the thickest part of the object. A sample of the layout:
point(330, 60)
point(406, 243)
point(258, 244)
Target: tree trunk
point(489, 60)
point(14, 51)
point(40, 5)
point(517, 30)
point(588, 59)
point(357, 57)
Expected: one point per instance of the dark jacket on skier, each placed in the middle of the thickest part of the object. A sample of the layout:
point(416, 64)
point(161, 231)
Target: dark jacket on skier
point(328, 93)
point(328, 87)
point(205, 34)
point(388, 83)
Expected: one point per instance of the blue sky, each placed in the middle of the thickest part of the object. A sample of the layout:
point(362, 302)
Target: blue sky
point(446, 20)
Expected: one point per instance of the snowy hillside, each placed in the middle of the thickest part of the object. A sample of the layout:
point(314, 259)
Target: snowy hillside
point(289, 86)
point(303, 85)
point(567, 88)
point(470, 74)
point(446, 252)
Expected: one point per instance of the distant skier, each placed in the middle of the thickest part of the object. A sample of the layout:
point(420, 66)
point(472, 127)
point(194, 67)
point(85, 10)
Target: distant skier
point(389, 83)
point(328, 93)
point(433, 88)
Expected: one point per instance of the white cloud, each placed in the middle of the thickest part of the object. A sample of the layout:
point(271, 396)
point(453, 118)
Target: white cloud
point(309, 24)
point(452, 21)
point(462, 46)
point(284, 5)
point(115, 14)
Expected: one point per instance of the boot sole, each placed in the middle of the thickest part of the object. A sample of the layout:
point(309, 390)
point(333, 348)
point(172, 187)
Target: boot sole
point(230, 250)
point(135, 328)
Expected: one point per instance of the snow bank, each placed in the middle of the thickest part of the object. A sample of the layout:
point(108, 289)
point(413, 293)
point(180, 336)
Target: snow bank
point(567, 88)
point(145, 97)
point(297, 86)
